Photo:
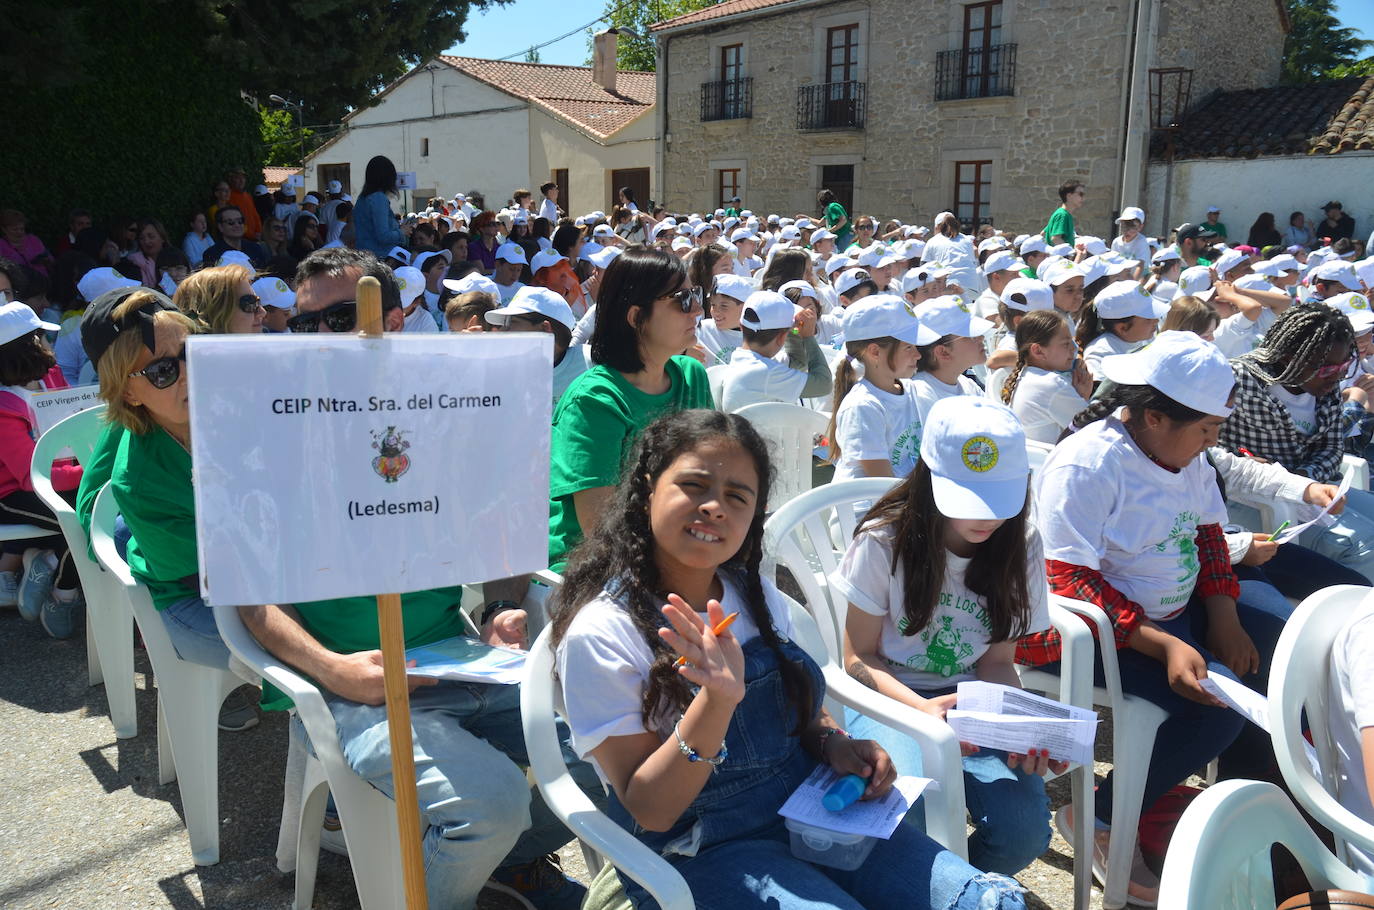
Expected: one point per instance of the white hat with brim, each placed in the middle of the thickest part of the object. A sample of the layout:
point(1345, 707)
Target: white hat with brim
point(512, 252)
point(1356, 309)
point(976, 452)
point(736, 286)
point(1130, 213)
point(885, 316)
point(949, 315)
point(1180, 365)
point(546, 258)
point(1127, 299)
point(1027, 295)
point(601, 258)
point(798, 284)
point(764, 310)
point(399, 253)
point(411, 283)
point(18, 319)
point(274, 293)
point(473, 282)
point(101, 279)
point(534, 301)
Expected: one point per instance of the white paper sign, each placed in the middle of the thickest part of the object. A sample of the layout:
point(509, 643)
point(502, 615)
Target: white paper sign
point(294, 180)
point(55, 405)
point(405, 180)
point(333, 466)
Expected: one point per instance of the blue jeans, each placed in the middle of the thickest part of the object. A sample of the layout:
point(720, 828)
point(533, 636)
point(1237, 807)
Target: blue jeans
point(1011, 817)
point(1350, 541)
point(190, 624)
point(478, 807)
point(1299, 572)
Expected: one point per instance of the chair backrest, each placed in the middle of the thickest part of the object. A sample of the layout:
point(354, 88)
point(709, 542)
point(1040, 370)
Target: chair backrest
point(996, 380)
point(790, 431)
point(1298, 689)
point(715, 378)
point(79, 432)
point(1036, 454)
point(1218, 856)
point(809, 536)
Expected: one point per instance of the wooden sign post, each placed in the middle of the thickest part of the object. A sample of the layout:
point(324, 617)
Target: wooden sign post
point(369, 297)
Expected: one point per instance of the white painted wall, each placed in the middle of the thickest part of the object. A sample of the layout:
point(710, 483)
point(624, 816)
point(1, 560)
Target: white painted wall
point(554, 144)
point(478, 136)
point(1243, 188)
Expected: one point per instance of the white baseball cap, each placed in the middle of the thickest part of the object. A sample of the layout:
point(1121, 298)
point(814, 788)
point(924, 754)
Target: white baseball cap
point(1195, 280)
point(949, 315)
point(908, 249)
point(1229, 259)
point(976, 452)
point(1180, 365)
point(885, 316)
point(99, 280)
point(768, 310)
point(1130, 213)
point(399, 253)
point(836, 263)
point(799, 284)
point(790, 232)
point(742, 233)
point(1167, 292)
point(1212, 208)
point(422, 259)
point(473, 281)
point(545, 258)
point(870, 257)
point(821, 234)
point(311, 199)
point(682, 243)
point(1168, 254)
point(1282, 264)
point(1028, 294)
point(1062, 249)
point(261, 190)
point(512, 252)
point(601, 258)
point(1354, 306)
point(275, 293)
point(704, 227)
point(1034, 244)
point(18, 319)
point(1364, 270)
point(992, 243)
point(1056, 270)
point(1124, 299)
point(736, 286)
point(850, 279)
point(914, 279)
point(1093, 245)
point(1339, 272)
point(411, 282)
point(1002, 261)
point(333, 187)
point(541, 301)
point(237, 257)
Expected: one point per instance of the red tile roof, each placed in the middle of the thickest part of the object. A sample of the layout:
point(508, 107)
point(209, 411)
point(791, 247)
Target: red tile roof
point(273, 177)
point(1353, 125)
point(567, 92)
point(717, 11)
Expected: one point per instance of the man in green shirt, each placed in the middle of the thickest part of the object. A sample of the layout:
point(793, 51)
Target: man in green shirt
point(1059, 229)
point(732, 210)
point(1214, 221)
point(1194, 242)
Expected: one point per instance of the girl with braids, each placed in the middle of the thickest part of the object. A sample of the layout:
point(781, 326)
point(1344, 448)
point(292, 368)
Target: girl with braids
point(1288, 411)
point(875, 427)
point(943, 575)
point(699, 757)
point(1049, 385)
point(1131, 516)
point(1020, 296)
point(1121, 317)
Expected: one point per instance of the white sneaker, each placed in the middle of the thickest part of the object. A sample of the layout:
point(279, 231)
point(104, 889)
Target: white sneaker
point(9, 589)
point(1143, 889)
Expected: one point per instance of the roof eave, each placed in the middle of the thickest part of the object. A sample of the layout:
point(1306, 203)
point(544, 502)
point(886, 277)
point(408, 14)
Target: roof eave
point(732, 17)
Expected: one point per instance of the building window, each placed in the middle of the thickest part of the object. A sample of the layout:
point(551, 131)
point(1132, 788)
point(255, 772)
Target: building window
point(838, 102)
point(982, 67)
point(339, 172)
point(424, 148)
point(842, 53)
point(973, 193)
point(839, 179)
point(560, 177)
point(727, 180)
point(731, 62)
point(730, 96)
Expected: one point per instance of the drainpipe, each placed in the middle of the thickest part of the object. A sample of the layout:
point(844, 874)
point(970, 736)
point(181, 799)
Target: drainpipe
point(661, 89)
point(1137, 112)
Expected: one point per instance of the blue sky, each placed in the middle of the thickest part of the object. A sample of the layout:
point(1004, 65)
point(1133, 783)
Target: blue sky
point(512, 28)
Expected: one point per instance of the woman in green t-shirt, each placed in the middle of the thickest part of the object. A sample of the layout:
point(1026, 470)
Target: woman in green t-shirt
point(836, 218)
point(647, 316)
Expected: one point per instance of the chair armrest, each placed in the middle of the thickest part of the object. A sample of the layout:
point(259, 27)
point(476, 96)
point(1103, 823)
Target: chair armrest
point(548, 577)
point(1078, 649)
point(940, 757)
point(1357, 466)
point(1106, 641)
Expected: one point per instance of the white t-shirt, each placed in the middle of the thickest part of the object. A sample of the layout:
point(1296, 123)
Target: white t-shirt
point(830, 329)
point(576, 361)
point(1105, 345)
point(719, 343)
point(1137, 249)
point(507, 291)
point(549, 209)
point(1237, 335)
point(1302, 407)
point(582, 334)
point(603, 665)
point(930, 390)
point(748, 267)
point(1045, 402)
point(422, 320)
point(1104, 505)
point(751, 378)
point(872, 424)
point(987, 303)
point(1350, 708)
point(945, 652)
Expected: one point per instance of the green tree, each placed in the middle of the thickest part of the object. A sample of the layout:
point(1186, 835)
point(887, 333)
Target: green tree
point(637, 53)
point(1317, 43)
point(1362, 68)
point(532, 55)
point(282, 142)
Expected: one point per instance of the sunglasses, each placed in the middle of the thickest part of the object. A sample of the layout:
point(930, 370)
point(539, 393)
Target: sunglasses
point(340, 317)
point(163, 372)
point(689, 299)
point(226, 222)
point(1326, 371)
point(249, 303)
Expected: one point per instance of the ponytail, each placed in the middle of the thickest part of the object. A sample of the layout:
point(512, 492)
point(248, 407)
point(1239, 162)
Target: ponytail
point(1089, 325)
point(848, 372)
point(1038, 327)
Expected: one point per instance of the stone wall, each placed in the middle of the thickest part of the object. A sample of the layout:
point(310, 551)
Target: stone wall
point(1065, 120)
point(1228, 44)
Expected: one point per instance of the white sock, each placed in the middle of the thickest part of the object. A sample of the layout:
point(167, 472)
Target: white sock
point(66, 595)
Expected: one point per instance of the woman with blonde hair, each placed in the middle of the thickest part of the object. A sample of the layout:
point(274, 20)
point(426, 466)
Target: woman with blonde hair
point(222, 299)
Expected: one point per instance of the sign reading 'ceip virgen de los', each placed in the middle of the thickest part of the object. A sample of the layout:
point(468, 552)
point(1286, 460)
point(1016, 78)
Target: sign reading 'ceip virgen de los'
point(331, 466)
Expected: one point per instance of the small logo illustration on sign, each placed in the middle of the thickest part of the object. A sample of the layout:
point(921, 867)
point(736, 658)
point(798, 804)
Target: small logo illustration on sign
point(392, 462)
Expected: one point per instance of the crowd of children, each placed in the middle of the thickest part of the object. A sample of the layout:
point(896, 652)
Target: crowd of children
point(1166, 385)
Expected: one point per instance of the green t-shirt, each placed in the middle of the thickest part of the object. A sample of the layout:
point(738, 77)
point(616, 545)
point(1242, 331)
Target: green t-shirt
point(1061, 222)
point(347, 625)
point(834, 214)
point(732, 212)
point(95, 475)
point(1219, 229)
point(595, 424)
point(151, 483)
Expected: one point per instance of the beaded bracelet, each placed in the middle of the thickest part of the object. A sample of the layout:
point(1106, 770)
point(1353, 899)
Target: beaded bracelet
point(692, 754)
point(825, 738)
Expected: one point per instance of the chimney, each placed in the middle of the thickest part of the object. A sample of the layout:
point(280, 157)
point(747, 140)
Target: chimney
point(603, 57)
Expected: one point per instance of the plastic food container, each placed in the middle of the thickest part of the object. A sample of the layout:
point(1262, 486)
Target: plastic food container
point(829, 848)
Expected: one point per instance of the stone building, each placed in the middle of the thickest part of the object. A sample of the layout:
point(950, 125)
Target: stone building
point(908, 107)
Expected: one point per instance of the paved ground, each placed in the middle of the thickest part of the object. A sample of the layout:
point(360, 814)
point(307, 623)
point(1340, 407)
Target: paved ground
point(84, 823)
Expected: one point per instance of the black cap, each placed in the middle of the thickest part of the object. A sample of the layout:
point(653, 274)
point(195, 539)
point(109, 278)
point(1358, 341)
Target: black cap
point(99, 328)
point(1333, 204)
point(1190, 231)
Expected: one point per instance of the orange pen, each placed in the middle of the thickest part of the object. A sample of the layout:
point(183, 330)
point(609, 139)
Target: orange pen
point(720, 627)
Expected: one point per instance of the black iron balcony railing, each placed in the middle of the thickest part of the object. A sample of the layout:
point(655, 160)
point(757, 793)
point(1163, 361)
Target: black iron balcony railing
point(831, 106)
point(727, 99)
point(985, 72)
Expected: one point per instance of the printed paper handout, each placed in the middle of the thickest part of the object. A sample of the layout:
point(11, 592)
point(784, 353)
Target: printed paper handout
point(1013, 720)
point(1323, 516)
point(874, 817)
point(467, 660)
point(1253, 706)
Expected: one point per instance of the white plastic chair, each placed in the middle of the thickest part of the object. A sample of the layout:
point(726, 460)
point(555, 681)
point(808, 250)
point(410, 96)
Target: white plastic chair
point(799, 536)
point(189, 697)
point(997, 379)
point(1219, 855)
point(791, 432)
point(715, 378)
point(1298, 684)
point(1357, 466)
point(109, 625)
point(940, 752)
point(368, 816)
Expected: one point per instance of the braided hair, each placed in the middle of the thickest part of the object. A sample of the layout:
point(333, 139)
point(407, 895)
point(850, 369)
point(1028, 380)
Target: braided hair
point(620, 558)
point(1138, 399)
point(1297, 344)
point(1036, 327)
